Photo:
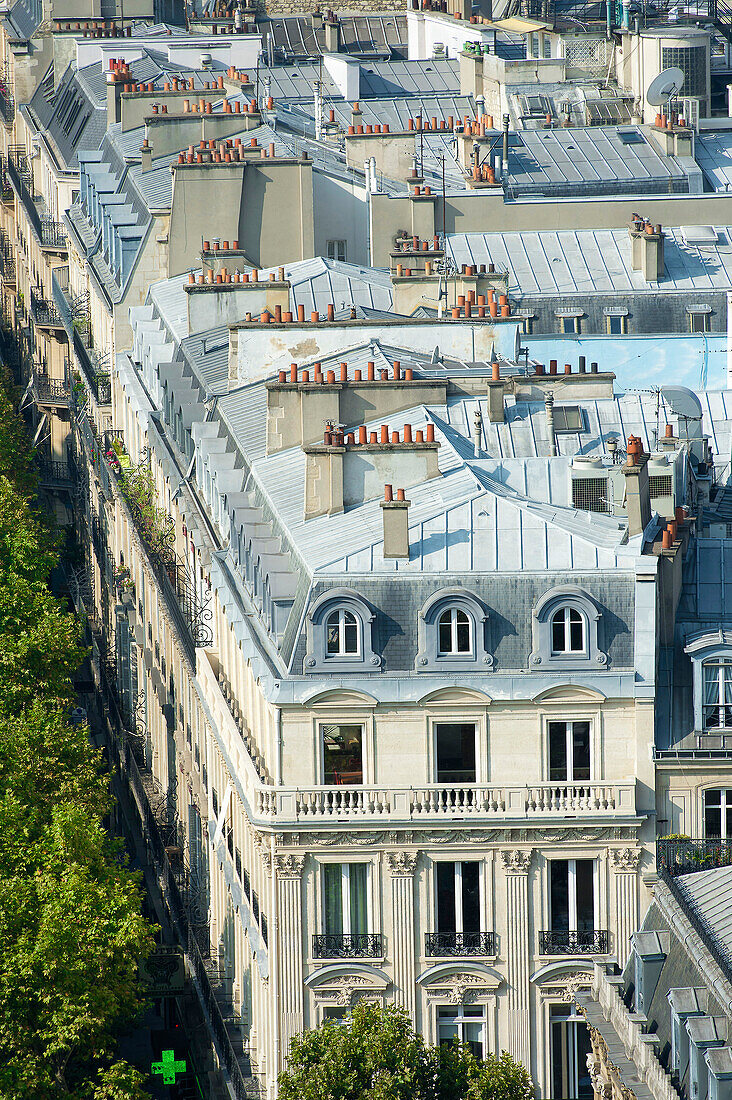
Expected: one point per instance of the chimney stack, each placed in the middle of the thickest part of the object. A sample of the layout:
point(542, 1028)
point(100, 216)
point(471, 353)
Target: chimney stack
point(549, 407)
point(146, 155)
point(396, 523)
point(637, 487)
point(646, 253)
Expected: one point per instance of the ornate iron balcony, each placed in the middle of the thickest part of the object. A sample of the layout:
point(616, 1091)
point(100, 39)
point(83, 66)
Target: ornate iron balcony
point(460, 943)
point(683, 856)
point(573, 943)
point(361, 945)
point(54, 391)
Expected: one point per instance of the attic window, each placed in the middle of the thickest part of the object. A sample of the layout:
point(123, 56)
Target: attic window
point(568, 418)
point(631, 137)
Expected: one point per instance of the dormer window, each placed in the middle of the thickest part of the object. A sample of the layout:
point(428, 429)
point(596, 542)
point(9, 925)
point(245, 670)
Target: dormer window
point(568, 631)
point(340, 634)
point(717, 704)
point(455, 630)
point(342, 630)
point(453, 633)
point(565, 630)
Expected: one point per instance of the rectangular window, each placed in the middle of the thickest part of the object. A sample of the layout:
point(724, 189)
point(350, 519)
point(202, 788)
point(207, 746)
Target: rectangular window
point(455, 753)
point(457, 887)
point(342, 754)
point(699, 322)
point(570, 1047)
point(336, 250)
point(570, 326)
point(569, 752)
point(572, 895)
point(345, 899)
point(717, 703)
point(616, 326)
point(463, 1024)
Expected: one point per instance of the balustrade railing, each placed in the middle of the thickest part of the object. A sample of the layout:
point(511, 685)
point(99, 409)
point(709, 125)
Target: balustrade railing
point(448, 944)
point(55, 472)
point(573, 943)
point(342, 945)
point(446, 801)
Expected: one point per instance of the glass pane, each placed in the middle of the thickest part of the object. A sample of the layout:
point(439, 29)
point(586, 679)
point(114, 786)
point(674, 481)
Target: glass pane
point(576, 632)
point(333, 895)
point(445, 631)
point(342, 759)
point(584, 882)
point(333, 635)
point(712, 821)
point(558, 632)
point(445, 884)
point(455, 753)
point(471, 897)
point(581, 751)
point(358, 883)
point(559, 895)
point(473, 1036)
point(557, 752)
point(350, 633)
point(463, 632)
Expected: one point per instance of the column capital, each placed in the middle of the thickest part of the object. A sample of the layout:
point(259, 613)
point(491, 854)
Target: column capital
point(624, 860)
point(402, 864)
point(289, 865)
point(518, 861)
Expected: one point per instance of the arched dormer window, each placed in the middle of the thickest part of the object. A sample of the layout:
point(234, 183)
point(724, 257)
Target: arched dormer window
point(564, 626)
point(452, 633)
point(340, 634)
point(711, 657)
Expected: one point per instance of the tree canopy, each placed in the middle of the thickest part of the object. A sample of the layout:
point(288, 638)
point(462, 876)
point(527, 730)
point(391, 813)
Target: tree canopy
point(375, 1054)
point(71, 929)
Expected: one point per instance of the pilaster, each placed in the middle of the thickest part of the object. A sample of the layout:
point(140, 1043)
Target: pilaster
point(516, 865)
point(402, 866)
point(624, 864)
point(288, 868)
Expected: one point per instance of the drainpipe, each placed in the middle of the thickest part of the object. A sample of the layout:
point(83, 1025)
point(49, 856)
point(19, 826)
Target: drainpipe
point(477, 430)
point(549, 407)
point(278, 752)
point(318, 96)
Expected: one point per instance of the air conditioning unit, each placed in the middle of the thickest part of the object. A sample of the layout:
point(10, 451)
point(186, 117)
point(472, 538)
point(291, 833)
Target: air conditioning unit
point(690, 111)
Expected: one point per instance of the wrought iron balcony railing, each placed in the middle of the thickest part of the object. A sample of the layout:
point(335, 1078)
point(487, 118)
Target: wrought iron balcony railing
point(51, 391)
point(342, 945)
point(460, 943)
point(49, 232)
point(53, 472)
point(7, 101)
point(43, 312)
point(7, 258)
point(686, 855)
point(573, 943)
point(91, 364)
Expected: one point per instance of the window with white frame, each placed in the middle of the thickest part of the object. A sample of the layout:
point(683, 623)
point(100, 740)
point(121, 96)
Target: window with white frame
point(342, 634)
point(718, 813)
point(568, 631)
point(717, 702)
point(569, 751)
point(455, 632)
point(345, 899)
point(463, 1024)
point(336, 250)
point(572, 895)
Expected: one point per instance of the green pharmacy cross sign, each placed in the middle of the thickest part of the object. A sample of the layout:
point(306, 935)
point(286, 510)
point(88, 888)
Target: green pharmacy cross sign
point(169, 1067)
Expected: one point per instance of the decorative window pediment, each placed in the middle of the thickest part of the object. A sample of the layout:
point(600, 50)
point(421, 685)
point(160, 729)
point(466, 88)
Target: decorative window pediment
point(340, 634)
point(453, 628)
point(564, 626)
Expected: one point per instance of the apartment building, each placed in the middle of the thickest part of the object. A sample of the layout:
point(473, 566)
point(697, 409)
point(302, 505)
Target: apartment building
point(365, 615)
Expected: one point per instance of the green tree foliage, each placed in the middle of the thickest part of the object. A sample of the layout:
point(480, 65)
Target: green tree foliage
point(71, 930)
point(375, 1054)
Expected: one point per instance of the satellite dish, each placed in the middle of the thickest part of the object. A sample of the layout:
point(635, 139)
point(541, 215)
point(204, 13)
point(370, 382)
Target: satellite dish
point(686, 405)
point(666, 85)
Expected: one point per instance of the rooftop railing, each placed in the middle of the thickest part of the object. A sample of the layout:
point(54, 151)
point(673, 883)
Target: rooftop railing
point(684, 855)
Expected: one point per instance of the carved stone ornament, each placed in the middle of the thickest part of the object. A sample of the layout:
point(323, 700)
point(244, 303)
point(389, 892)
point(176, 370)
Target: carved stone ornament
point(578, 981)
point(517, 862)
point(587, 834)
point(348, 989)
point(460, 989)
point(624, 859)
point(289, 865)
point(402, 863)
